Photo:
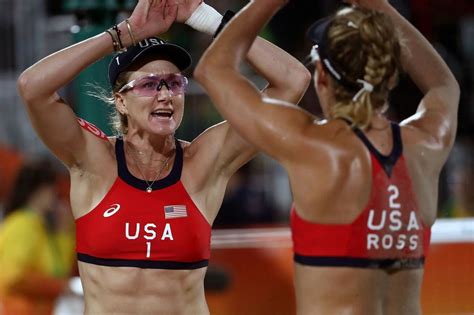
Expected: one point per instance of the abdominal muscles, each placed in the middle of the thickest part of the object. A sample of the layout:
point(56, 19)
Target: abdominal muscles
point(129, 290)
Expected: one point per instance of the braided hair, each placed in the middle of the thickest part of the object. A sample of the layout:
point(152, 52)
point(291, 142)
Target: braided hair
point(367, 44)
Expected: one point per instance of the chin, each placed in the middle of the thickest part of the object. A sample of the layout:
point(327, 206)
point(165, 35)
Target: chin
point(161, 131)
point(164, 129)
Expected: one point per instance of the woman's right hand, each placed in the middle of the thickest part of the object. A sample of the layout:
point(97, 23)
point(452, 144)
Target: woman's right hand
point(153, 17)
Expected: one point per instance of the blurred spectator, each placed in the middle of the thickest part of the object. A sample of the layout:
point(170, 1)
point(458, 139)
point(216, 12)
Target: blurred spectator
point(460, 170)
point(36, 244)
point(10, 162)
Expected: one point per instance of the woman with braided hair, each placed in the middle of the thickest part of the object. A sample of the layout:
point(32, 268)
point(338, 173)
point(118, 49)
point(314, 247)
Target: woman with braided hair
point(364, 188)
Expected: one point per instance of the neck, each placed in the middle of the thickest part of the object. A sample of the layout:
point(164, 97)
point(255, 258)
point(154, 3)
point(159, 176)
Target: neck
point(149, 160)
point(379, 122)
point(153, 146)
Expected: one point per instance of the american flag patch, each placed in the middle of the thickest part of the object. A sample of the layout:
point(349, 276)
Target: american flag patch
point(177, 211)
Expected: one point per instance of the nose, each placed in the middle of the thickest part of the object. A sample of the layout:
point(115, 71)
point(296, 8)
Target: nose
point(163, 94)
point(162, 84)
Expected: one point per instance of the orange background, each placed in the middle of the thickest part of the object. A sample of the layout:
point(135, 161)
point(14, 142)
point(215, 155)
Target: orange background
point(261, 281)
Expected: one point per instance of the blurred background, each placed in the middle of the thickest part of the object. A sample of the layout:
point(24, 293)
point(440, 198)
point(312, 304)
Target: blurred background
point(258, 195)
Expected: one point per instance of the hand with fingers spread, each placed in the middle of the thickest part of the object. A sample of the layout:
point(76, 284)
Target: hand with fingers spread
point(153, 17)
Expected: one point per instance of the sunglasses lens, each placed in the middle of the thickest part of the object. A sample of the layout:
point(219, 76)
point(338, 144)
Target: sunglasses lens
point(150, 85)
point(146, 86)
point(176, 84)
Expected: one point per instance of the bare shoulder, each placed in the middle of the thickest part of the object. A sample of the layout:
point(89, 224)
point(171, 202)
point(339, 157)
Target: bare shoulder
point(330, 149)
point(99, 151)
point(431, 128)
point(209, 146)
point(423, 148)
point(94, 175)
point(414, 134)
point(212, 136)
point(325, 139)
point(194, 161)
point(185, 145)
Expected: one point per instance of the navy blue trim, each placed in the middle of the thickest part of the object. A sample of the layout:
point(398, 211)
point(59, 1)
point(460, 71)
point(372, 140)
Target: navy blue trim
point(144, 264)
point(387, 161)
point(323, 261)
point(173, 177)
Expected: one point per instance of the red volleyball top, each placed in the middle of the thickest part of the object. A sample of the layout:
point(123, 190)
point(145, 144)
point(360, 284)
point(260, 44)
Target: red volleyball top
point(388, 233)
point(130, 227)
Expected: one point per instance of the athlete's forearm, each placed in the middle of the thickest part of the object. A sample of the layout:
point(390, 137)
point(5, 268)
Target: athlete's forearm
point(43, 79)
point(233, 95)
point(287, 78)
point(231, 49)
point(273, 63)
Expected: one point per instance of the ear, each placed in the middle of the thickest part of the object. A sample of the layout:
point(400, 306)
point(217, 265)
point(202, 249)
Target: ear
point(321, 76)
point(120, 104)
point(322, 81)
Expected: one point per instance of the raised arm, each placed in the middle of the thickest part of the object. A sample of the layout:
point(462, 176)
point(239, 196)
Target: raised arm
point(275, 66)
point(54, 121)
point(437, 112)
point(274, 129)
point(271, 62)
point(287, 78)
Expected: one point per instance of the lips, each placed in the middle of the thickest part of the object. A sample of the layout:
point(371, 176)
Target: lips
point(162, 113)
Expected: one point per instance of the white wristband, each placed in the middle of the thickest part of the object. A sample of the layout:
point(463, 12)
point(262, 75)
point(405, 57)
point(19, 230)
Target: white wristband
point(205, 19)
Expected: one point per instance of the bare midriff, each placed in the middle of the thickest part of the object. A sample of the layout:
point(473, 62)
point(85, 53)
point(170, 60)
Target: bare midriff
point(344, 290)
point(129, 290)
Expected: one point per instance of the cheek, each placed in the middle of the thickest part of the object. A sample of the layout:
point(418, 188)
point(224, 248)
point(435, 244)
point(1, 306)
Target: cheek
point(178, 103)
point(136, 105)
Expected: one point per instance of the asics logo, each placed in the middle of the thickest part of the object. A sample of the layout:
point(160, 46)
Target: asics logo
point(112, 210)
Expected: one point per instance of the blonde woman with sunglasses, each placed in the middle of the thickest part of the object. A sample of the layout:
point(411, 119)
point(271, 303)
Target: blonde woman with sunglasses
point(144, 201)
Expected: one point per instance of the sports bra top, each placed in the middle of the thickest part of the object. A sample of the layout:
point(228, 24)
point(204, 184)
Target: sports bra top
point(388, 233)
point(131, 227)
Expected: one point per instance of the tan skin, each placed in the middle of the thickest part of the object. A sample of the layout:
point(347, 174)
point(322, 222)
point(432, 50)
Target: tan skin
point(328, 167)
point(209, 160)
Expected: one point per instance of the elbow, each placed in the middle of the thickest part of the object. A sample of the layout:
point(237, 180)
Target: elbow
point(304, 77)
point(25, 87)
point(457, 89)
point(301, 78)
point(32, 88)
point(22, 83)
point(202, 70)
point(200, 73)
point(213, 63)
point(206, 71)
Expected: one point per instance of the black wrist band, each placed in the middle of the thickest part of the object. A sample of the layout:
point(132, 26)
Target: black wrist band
point(225, 19)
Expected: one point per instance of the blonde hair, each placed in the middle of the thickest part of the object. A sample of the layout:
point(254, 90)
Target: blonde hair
point(366, 45)
point(117, 120)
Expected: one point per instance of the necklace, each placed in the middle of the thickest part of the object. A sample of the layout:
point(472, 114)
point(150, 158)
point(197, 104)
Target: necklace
point(149, 188)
